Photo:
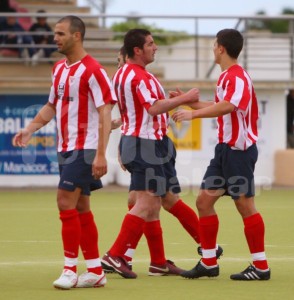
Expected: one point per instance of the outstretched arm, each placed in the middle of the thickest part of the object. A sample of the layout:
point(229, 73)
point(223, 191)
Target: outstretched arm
point(43, 117)
point(211, 111)
point(160, 107)
point(194, 105)
point(201, 104)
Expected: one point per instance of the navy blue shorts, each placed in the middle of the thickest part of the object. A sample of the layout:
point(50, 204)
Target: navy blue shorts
point(75, 168)
point(151, 164)
point(231, 170)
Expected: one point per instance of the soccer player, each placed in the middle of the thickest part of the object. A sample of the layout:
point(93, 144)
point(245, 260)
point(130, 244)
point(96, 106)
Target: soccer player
point(149, 155)
point(231, 171)
point(81, 97)
point(186, 216)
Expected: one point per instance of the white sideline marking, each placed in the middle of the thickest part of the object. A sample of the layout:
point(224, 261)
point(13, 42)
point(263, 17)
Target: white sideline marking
point(16, 241)
point(140, 260)
point(141, 242)
point(192, 260)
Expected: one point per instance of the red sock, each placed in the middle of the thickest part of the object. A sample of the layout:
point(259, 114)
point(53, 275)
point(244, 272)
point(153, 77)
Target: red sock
point(89, 242)
point(254, 232)
point(89, 238)
point(129, 235)
point(187, 217)
point(128, 256)
point(71, 234)
point(70, 264)
point(208, 229)
point(153, 233)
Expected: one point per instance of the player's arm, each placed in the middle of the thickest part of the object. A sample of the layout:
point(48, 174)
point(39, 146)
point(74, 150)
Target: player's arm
point(194, 105)
point(99, 167)
point(216, 110)
point(43, 117)
point(166, 105)
point(115, 123)
point(200, 104)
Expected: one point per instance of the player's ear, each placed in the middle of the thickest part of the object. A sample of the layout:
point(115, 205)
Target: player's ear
point(221, 49)
point(137, 50)
point(78, 35)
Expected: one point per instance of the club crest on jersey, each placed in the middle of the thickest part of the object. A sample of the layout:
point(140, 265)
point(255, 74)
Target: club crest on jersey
point(71, 80)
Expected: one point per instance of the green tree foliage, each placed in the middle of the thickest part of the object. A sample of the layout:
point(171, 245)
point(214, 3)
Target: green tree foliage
point(161, 36)
point(275, 26)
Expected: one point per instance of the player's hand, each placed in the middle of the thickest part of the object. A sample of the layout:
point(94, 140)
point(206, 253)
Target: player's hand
point(21, 138)
point(182, 115)
point(116, 123)
point(99, 167)
point(175, 93)
point(192, 95)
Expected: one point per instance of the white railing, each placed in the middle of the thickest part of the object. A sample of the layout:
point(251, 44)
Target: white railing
point(265, 54)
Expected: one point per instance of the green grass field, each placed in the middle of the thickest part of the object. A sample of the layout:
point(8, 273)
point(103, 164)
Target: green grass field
point(31, 252)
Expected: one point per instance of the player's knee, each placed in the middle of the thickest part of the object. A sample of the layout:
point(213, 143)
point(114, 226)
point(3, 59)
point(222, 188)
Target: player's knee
point(131, 198)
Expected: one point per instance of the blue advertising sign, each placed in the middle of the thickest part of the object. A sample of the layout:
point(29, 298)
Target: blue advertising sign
point(39, 157)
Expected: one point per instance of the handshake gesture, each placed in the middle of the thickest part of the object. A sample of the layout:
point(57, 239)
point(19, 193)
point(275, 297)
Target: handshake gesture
point(191, 97)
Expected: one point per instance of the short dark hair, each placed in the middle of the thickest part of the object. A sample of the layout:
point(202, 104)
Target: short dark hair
point(76, 24)
point(41, 11)
point(135, 38)
point(232, 40)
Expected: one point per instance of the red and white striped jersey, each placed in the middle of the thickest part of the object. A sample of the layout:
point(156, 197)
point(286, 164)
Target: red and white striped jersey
point(239, 128)
point(137, 90)
point(76, 91)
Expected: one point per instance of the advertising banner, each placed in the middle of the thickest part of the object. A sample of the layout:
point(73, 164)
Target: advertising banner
point(39, 157)
point(186, 135)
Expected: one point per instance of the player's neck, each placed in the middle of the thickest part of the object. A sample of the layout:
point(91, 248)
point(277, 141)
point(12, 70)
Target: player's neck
point(226, 64)
point(75, 56)
point(136, 61)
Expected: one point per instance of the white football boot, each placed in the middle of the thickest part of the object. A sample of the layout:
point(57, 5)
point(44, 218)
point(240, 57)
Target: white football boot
point(67, 280)
point(89, 279)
